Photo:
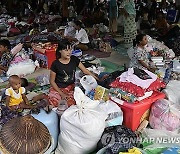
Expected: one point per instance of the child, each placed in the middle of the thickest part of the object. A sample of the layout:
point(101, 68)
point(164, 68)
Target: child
point(15, 95)
point(6, 57)
point(35, 30)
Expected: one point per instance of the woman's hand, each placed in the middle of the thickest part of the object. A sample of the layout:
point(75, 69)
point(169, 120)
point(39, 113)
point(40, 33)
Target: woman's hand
point(13, 108)
point(104, 77)
point(64, 96)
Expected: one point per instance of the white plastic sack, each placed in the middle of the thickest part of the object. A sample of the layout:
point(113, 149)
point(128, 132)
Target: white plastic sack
point(115, 114)
point(21, 68)
point(172, 91)
point(88, 82)
point(81, 126)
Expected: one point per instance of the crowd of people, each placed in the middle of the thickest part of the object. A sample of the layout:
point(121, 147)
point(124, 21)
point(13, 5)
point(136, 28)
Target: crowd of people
point(62, 74)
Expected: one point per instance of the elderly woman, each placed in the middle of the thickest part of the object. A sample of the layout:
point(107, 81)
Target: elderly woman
point(140, 57)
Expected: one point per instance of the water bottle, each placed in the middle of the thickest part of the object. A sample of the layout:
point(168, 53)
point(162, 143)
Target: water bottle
point(62, 107)
point(167, 75)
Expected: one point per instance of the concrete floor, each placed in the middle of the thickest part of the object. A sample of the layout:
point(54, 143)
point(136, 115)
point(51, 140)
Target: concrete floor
point(118, 58)
point(119, 53)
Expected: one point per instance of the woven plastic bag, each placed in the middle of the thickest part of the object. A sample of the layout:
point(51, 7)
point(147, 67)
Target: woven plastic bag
point(164, 116)
point(81, 126)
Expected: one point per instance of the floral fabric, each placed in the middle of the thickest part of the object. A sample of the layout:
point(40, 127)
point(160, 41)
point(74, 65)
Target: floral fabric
point(55, 98)
point(139, 54)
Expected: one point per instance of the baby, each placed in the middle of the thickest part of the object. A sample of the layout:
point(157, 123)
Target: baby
point(15, 95)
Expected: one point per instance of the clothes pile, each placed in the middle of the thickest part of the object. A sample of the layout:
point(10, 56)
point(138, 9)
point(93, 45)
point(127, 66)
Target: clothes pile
point(135, 85)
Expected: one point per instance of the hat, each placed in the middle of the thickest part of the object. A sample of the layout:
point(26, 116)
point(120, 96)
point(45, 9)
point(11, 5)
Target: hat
point(24, 135)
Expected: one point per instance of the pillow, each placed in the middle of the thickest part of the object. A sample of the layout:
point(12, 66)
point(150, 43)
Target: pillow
point(156, 85)
point(16, 49)
point(129, 87)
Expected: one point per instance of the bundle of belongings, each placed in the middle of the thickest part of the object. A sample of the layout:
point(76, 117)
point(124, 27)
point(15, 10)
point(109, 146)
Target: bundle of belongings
point(81, 123)
point(21, 64)
point(113, 140)
point(135, 85)
point(89, 60)
point(85, 123)
point(10, 27)
point(165, 115)
point(4, 23)
point(46, 37)
point(159, 48)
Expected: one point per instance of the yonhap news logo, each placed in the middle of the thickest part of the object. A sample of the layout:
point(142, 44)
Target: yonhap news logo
point(162, 140)
point(109, 139)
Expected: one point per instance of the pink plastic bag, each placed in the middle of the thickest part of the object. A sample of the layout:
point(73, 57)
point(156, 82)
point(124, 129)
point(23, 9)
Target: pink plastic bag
point(164, 116)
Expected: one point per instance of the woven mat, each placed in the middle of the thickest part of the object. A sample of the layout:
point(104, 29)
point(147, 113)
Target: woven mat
point(97, 53)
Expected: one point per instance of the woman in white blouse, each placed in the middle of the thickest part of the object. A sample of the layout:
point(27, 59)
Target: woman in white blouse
point(81, 36)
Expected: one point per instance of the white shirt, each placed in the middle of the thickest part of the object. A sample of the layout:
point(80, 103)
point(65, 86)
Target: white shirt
point(82, 36)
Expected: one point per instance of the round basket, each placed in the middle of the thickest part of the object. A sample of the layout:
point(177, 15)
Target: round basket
point(24, 135)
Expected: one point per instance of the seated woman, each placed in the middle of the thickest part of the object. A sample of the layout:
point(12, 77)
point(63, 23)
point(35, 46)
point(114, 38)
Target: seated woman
point(62, 75)
point(35, 30)
point(140, 56)
point(81, 37)
point(70, 29)
point(161, 24)
point(5, 57)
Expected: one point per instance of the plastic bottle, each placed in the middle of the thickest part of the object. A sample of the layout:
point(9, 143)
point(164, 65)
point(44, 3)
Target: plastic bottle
point(62, 107)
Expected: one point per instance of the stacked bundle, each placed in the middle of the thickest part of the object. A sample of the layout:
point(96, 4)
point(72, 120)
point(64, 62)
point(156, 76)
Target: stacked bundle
point(135, 85)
